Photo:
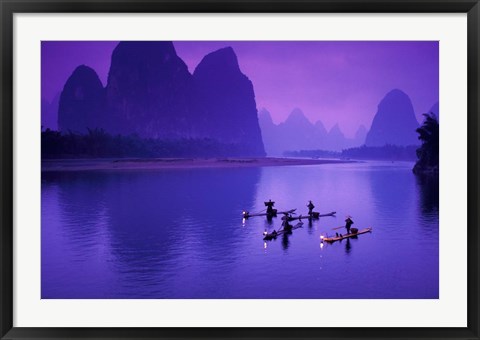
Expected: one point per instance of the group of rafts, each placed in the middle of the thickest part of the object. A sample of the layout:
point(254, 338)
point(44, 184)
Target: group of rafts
point(287, 217)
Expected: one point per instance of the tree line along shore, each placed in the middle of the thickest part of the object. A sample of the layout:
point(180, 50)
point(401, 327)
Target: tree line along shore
point(98, 144)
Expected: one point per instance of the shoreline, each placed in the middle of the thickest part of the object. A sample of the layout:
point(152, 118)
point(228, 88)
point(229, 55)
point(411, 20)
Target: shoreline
point(175, 163)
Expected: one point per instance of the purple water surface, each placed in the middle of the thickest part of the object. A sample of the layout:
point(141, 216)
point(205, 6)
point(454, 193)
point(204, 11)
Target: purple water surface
point(180, 234)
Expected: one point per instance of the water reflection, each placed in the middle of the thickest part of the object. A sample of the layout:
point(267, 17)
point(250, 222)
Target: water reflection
point(391, 188)
point(428, 190)
point(142, 223)
point(348, 246)
point(268, 222)
point(310, 226)
point(285, 240)
point(178, 234)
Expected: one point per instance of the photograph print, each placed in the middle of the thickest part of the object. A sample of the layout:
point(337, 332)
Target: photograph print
point(239, 169)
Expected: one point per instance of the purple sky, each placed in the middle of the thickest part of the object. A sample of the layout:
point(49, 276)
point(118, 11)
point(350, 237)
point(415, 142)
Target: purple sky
point(335, 82)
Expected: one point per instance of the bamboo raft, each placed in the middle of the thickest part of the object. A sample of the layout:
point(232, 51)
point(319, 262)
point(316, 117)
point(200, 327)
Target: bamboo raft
point(271, 236)
point(315, 215)
point(339, 238)
point(246, 214)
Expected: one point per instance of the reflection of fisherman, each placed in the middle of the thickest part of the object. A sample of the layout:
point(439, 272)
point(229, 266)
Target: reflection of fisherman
point(310, 207)
point(348, 223)
point(269, 206)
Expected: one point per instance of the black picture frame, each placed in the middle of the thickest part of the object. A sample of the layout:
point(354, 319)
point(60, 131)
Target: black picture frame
point(10, 7)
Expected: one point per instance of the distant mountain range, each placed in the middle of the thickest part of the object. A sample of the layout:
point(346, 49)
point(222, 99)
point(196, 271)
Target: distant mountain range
point(150, 93)
point(394, 124)
point(298, 133)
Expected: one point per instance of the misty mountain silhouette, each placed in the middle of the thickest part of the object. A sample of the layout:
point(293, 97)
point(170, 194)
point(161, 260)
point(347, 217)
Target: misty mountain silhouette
point(395, 122)
point(150, 93)
point(226, 100)
point(361, 134)
point(81, 101)
point(298, 133)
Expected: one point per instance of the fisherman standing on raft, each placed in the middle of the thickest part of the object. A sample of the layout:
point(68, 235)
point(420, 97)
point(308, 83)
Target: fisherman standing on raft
point(348, 223)
point(270, 210)
point(310, 207)
point(285, 224)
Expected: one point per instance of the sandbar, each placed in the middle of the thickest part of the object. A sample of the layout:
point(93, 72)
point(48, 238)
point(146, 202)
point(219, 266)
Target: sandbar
point(175, 163)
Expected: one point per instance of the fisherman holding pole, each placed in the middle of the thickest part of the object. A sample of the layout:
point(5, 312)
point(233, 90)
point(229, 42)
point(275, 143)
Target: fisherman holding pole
point(310, 207)
point(348, 223)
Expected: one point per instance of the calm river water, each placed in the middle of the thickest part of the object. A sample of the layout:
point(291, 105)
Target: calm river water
point(179, 233)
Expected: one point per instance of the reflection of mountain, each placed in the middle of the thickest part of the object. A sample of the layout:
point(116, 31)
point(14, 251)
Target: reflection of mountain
point(150, 93)
point(394, 196)
point(298, 133)
point(140, 228)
